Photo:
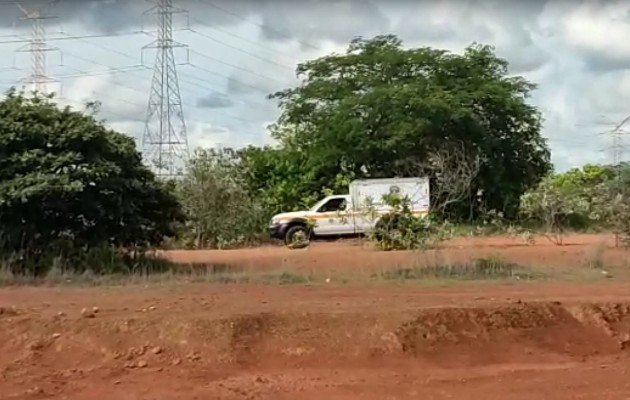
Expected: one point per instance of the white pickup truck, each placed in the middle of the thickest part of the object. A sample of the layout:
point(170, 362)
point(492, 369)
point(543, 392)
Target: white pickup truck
point(352, 214)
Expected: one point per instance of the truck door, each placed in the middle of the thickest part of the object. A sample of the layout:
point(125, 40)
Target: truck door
point(333, 218)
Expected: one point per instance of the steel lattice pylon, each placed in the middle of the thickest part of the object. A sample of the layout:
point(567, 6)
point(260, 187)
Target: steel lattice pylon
point(165, 140)
point(38, 79)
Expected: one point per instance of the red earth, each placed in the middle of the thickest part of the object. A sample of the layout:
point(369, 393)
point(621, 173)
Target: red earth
point(212, 341)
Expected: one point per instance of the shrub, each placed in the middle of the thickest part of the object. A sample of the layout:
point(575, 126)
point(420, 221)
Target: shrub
point(221, 212)
point(401, 229)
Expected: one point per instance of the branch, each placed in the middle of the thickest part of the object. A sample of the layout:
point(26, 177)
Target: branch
point(453, 168)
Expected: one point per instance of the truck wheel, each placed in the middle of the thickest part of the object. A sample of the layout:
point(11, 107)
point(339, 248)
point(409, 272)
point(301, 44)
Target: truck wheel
point(297, 237)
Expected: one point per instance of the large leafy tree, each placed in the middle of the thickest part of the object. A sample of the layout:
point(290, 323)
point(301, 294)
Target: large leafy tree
point(67, 179)
point(381, 110)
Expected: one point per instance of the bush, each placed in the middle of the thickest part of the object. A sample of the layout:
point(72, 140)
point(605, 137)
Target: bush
point(611, 204)
point(401, 229)
point(556, 207)
point(221, 212)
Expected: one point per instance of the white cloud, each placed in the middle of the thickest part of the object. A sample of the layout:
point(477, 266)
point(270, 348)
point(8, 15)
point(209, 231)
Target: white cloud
point(598, 28)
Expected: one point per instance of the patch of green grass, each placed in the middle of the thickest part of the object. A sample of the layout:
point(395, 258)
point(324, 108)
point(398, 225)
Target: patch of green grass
point(479, 269)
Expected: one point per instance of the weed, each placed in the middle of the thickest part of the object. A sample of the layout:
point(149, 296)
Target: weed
point(595, 256)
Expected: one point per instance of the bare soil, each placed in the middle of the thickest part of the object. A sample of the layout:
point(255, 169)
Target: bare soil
point(210, 341)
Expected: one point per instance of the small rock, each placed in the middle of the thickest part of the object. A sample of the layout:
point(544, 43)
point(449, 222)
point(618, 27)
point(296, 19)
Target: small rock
point(95, 310)
point(8, 311)
point(177, 361)
point(35, 390)
point(87, 313)
point(152, 308)
point(61, 314)
point(624, 342)
point(156, 350)
point(142, 364)
point(116, 382)
point(35, 346)
point(56, 335)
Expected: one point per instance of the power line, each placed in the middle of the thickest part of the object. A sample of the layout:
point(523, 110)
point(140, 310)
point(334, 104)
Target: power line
point(241, 50)
point(200, 84)
point(76, 37)
point(165, 140)
point(247, 70)
point(269, 28)
point(228, 33)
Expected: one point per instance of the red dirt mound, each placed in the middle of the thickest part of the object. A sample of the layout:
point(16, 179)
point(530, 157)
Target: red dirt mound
point(523, 332)
point(210, 355)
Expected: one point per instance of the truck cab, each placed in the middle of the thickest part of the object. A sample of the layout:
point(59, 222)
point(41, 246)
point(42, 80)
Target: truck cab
point(329, 216)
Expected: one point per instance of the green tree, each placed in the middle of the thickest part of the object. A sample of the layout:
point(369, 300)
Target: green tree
point(381, 110)
point(280, 178)
point(67, 183)
point(221, 211)
point(587, 177)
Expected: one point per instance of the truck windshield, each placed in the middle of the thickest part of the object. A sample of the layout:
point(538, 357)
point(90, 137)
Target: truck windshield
point(330, 205)
point(317, 205)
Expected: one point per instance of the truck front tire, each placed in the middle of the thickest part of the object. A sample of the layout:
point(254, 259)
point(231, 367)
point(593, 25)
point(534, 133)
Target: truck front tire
point(297, 236)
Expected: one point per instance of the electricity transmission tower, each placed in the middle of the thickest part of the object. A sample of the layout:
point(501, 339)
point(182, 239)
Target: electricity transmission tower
point(38, 79)
point(165, 141)
point(617, 146)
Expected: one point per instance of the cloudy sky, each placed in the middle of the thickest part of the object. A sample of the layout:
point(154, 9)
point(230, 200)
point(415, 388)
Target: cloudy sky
point(241, 50)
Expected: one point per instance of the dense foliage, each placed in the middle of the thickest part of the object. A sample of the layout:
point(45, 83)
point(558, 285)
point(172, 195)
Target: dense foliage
point(67, 183)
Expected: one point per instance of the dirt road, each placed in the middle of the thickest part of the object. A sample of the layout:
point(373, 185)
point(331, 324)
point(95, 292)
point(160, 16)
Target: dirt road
point(553, 341)
point(578, 250)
